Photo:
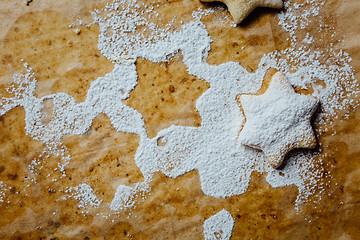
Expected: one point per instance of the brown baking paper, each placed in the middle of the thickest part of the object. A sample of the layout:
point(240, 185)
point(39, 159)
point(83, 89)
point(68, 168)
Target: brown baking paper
point(65, 61)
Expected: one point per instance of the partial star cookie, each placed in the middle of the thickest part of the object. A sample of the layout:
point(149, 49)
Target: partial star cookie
point(278, 120)
point(240, 9)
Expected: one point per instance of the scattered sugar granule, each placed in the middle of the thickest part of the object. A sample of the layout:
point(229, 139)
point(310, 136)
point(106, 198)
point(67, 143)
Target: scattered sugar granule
point(3, 189)
point(77, 31)
point(85, 195)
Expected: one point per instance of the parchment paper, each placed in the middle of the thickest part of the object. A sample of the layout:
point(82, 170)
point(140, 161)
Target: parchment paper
point(176, 208)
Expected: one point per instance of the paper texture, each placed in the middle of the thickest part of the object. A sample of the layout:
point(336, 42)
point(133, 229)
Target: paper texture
point(65, 61)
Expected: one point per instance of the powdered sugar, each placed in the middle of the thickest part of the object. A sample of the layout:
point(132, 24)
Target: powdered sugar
point(85, 195)
point(219, 226)
point(224, 164)
point(125, 196)
point(3, 190)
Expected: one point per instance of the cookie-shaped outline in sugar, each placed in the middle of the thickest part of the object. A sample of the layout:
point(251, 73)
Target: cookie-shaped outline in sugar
point(278, 120)
point(240, 9)
point(219, 226)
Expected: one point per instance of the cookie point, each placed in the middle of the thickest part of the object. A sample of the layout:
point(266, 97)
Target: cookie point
point(274, 161)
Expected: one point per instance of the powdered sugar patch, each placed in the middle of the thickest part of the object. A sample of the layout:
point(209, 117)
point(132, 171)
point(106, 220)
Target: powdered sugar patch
point(224, 164)
point(3, 190)
point(219, 226)
point(85, 195)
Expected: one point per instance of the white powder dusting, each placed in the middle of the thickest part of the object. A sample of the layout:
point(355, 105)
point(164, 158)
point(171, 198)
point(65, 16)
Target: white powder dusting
point(85, 195)
point(3, 190)
point(69, 117)
point(224, 164)
point(219, 226)
point(125, 196)
point(298, 15)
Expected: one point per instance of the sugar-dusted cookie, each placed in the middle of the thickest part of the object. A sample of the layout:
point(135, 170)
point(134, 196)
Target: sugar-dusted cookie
point(278, 120)
point(240, 9)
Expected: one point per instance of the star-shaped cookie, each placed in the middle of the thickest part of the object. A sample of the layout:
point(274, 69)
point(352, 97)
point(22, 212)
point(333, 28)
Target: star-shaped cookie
point(278, 120)
point(240, 9)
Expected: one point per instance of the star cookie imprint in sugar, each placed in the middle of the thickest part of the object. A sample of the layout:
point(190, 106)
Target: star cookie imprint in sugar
point(278, 120)
point(240, 9)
